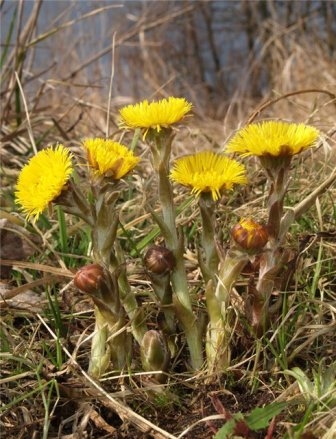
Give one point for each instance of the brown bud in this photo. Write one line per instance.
(249, 234)
(90, 279)
(159, 260)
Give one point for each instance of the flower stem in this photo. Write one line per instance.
(273, 258)
(161, 147)
(128, 299)
(110, 343)
(218, 300)
(207, 210)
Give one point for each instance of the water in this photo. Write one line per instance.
(200, 48)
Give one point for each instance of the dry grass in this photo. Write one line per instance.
(46, 324)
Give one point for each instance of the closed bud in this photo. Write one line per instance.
(155, 354)
(249, 234)
(159, 260)
(90, 279)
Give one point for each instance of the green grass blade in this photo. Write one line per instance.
(8, 38)
(260, 417)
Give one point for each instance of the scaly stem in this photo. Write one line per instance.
(74, 202)
(207, 210)
(179, 278)
(108, 344)
(273, 257)
(161, 147)
(163, 291)
(218, 300)
(217, 338)
(230, 268)
(128, 299)
(118, 297)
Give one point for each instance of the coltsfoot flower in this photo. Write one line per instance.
(208, 171)
(155, 115)
(42, 180)
(159, 260)
(108, 158)
(91, 279)
(249, 234)
(273, 138)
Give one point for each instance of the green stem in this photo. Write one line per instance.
(277, 169)
(207, 209)
(119, 296)
(74, 202)
(229, 269)
(135, 139)
(273, 257)
(217, 336)
(183, 303)
(100, 356)
(128, 299)
(167, 205)
(163, 291)
(110, 343)
(218, 300)
(161, 147)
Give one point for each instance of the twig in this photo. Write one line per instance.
(123, 411)
(10, 294)
(294, 213)
(29, 127)
(110, 87)
(287, 95)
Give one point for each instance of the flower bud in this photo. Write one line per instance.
(90, 279)
(159, 260)
(249, 234)
(102, 287)
(154, 353)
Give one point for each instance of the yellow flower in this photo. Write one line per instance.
(249, 234)
(155, 115)
(42, 180)
(273, 138)
(109, 158)
(208, 172)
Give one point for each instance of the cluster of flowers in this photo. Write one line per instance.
(46, 175)
(47, 179)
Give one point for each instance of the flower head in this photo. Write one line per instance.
(42, 180)
(109, 158)
(91, 279)
(159, 260)
(208, 172)
(155, 115)
(273, 138)
(249, 234)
